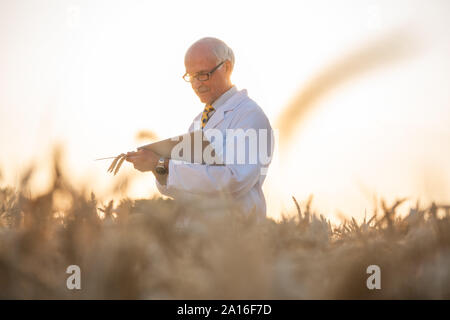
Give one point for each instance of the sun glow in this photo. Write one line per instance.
(91, 75)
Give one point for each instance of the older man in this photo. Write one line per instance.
(209, 63)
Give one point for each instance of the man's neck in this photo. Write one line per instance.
(221, 94)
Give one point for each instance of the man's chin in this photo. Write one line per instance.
(204, 98)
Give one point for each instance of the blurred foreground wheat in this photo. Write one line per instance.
(155, 248)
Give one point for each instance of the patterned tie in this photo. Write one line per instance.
(206, 114)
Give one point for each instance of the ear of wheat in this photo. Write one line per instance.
(117, 163)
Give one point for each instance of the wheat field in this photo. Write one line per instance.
(80, 71)
(161, 249)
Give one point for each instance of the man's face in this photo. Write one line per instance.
(200, 59)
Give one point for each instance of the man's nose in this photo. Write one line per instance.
(196, 84)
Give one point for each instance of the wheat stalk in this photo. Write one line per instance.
(120, 164)
(117, 163)
(113, 164)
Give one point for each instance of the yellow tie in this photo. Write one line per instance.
(206, 114)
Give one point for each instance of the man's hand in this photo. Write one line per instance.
(143, 160)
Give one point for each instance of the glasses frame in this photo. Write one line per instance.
(186, 75)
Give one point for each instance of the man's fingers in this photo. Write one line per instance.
(130, 156)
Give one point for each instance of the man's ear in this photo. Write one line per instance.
(228, 69)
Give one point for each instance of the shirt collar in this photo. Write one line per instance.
(224, 97)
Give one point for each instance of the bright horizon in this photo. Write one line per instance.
(91, 74)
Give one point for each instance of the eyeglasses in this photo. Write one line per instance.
(201, 76)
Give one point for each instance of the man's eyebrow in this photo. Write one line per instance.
(201, 71)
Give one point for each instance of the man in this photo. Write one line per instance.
(209, 63)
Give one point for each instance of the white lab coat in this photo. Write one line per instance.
(239, 184)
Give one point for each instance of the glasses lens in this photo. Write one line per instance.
(200, 77)
(203, 77)
(187, 78)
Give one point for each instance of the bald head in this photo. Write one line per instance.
(202, 57)
(213, 48)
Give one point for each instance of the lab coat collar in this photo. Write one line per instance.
(224, 97)
(229, 105)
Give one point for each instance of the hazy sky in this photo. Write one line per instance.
(92, 73)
